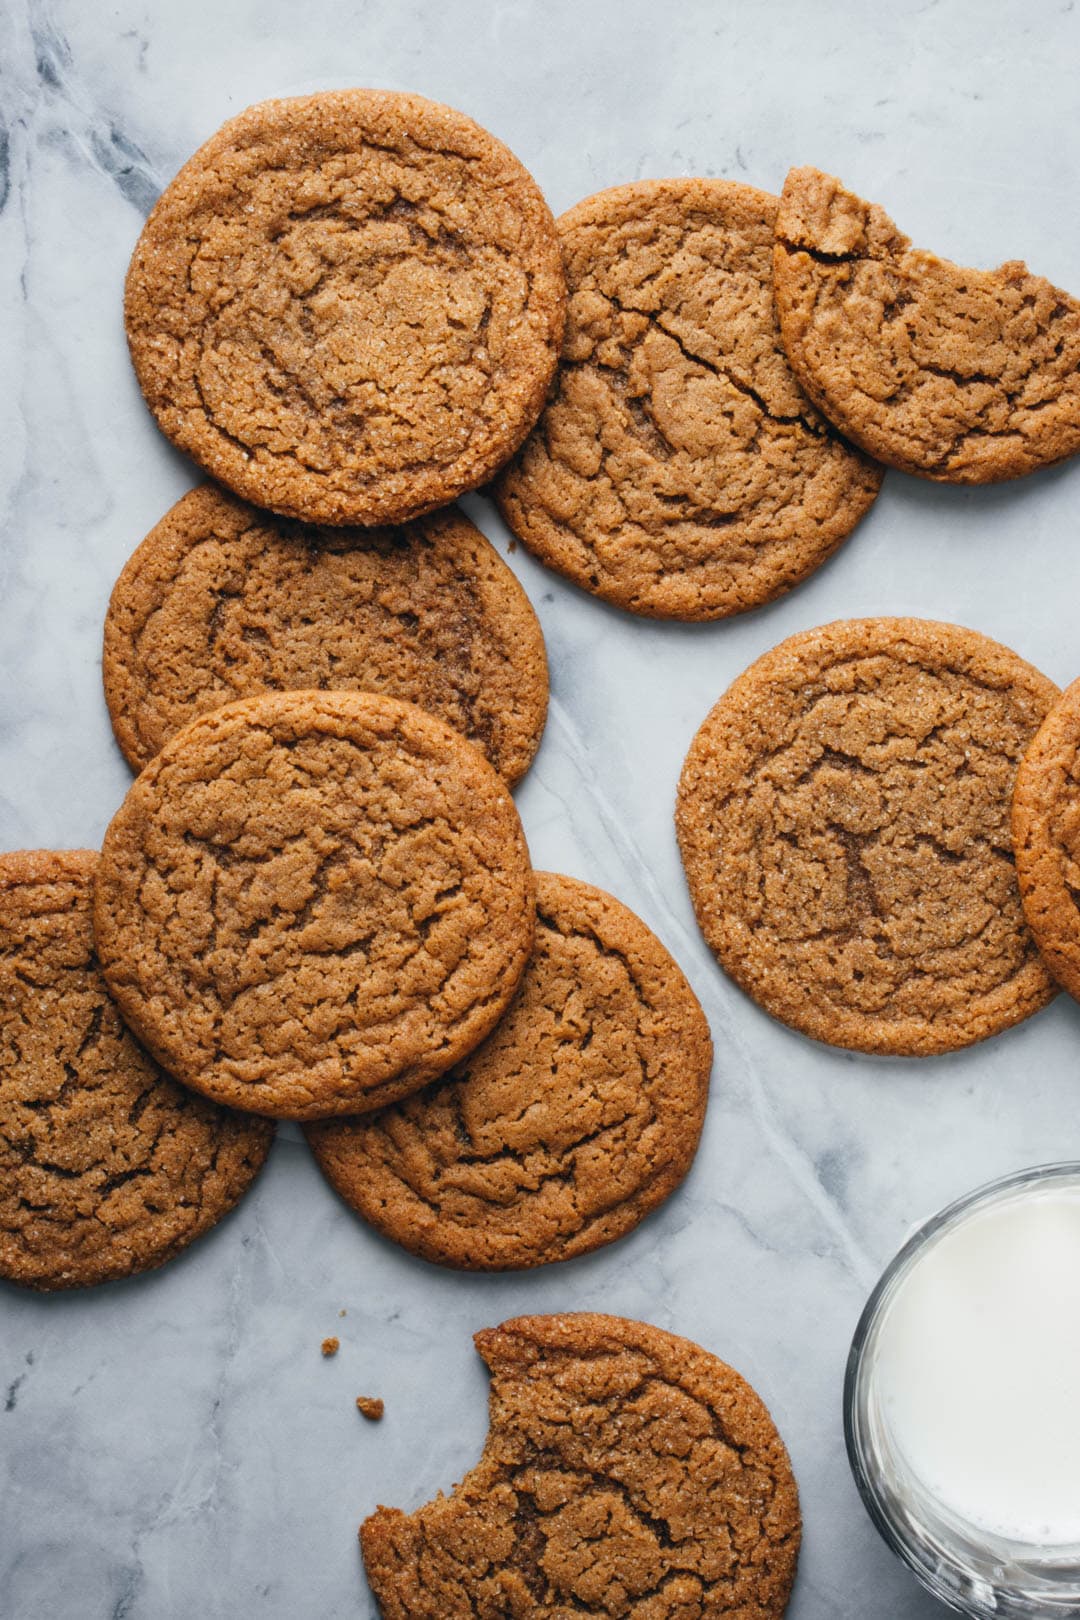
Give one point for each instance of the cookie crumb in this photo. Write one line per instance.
(343, 1313)
(370, 1406)
(330, 1347)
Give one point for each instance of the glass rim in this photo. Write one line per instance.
(950, 1215)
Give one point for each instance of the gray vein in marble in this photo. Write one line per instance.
(93, 130)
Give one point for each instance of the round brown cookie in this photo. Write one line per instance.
(1046, 838)
(579, 1114)
(965, 376)
(311, 903)
(626, 1473)
(221, 601)
(107, 1166)
(348, 306)
(678, 470)
(843, 818)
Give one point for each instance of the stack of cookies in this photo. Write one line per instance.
(316, 902)
(312, 905)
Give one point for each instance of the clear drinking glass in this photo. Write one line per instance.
(969, 1568)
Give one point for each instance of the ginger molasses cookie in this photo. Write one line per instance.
(311, 903)
(222, 601)
(843, 818)
(347, 307)
(578, 1115)
(965, 376)
(626, 1472)
(107, 1166)
(1046, 838)
(678, 470)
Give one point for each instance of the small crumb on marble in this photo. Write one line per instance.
(371, 1407)
(330, 1347)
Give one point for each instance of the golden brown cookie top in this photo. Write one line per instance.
(965, 376)
(579, 1114)
(221, 601)
(678, 470)
(347, 306)
(311, 903)
(843, 818)
(626, 1472)
(107, 1166)
(1046, 836)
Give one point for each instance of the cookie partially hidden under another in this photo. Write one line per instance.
(347, 306)
(578, 1115)
(626, 1473)
(843, 817)
(678, 469)
(965, 376)
(312, 903)
(107, 1166)
(1046, 838)
(221, 601)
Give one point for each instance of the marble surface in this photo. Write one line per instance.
(175, 1445)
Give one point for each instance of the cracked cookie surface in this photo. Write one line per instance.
(221, 601)
(347, 307)
(843, 818)
(311, 903)
(627, 1474)
(580, 1113)
(107, 1166)
(1046, 837)
(960, 375)
(678, 470)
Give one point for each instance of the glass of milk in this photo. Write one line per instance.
(962, 1399)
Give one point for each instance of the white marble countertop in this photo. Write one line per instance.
(176, 1446)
